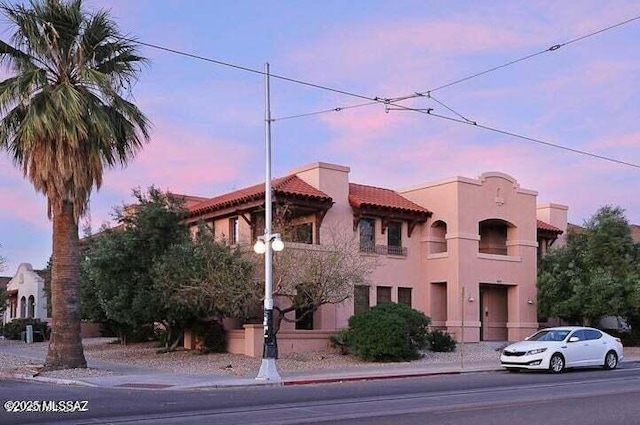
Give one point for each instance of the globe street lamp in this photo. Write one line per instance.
(265, 244)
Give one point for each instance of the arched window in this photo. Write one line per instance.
(493, 237)
(438, 237)
(23, 307)
(31, 306)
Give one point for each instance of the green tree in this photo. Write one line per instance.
(595, 274)
(64, 119)
(202, 279)
(118, 262)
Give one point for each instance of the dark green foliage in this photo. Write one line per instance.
(596, 274)
(388, 332)
(340, 340)
(441, 341)
(117, 287)
(151, 270)
(212, 336)
(13, 329)
(417, 321)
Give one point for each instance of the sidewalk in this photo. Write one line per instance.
(128, 377)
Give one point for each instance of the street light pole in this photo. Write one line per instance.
(268, 370)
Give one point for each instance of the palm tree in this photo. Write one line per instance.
(63, 120)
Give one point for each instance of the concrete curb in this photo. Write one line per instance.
(59, 381)
(328, 380)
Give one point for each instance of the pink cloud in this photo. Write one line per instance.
(179, 160)
(19, 203)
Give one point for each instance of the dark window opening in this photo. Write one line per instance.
(302, 233)
(394, 238)
(360, 299)
(23, 307)
(404, 296)
(31, 306)
(304, 318)
(493, 237)
(367, 228)
(383, 294)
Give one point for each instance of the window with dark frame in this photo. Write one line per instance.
(304, 318)
(404, 296)
(31, 306)
(367, 227)
(383, 294)
(394, 238)
(23, 307)
(360, 299)
(302, 233)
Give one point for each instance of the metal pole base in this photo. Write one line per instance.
(268, 371)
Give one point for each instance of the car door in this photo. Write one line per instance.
(595, 347)
(575, 352)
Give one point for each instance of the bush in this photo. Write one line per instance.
(387, 332)
(14, 328)
(417, 322)
(212, 337)
(340, 340)
(441, 341)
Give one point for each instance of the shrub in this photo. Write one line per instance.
(212, 337)
(417, 321)
(441, 341)
(14, 328)
(340, 340)
(387, 332)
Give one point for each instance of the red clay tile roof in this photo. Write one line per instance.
(288, 185)
(370, 196)
(541, 225)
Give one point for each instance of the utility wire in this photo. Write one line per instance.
(393, 101)
(338, 109)
(523, 137)
(495, 68)
(527, 57)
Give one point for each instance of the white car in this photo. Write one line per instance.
(555, 349)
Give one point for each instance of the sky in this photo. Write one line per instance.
(208, 127)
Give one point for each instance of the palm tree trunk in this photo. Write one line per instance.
(65, 344)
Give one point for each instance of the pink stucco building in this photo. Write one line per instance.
(462, 250)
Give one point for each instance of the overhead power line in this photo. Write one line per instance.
(387, 102)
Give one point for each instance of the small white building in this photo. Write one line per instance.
(26, 296)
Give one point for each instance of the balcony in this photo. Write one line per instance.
(399, 251)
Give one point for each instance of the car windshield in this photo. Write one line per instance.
(549, 335)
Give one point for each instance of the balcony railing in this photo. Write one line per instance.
(384, 250)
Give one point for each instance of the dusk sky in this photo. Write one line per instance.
(208, 119)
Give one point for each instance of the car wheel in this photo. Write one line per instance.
(610, 360)
(556, 364)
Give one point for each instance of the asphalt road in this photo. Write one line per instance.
(586, 397)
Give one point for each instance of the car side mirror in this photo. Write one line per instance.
(574, 339)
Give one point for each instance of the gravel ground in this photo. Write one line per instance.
(145, 355)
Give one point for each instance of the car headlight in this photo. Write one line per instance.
(536, 351)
